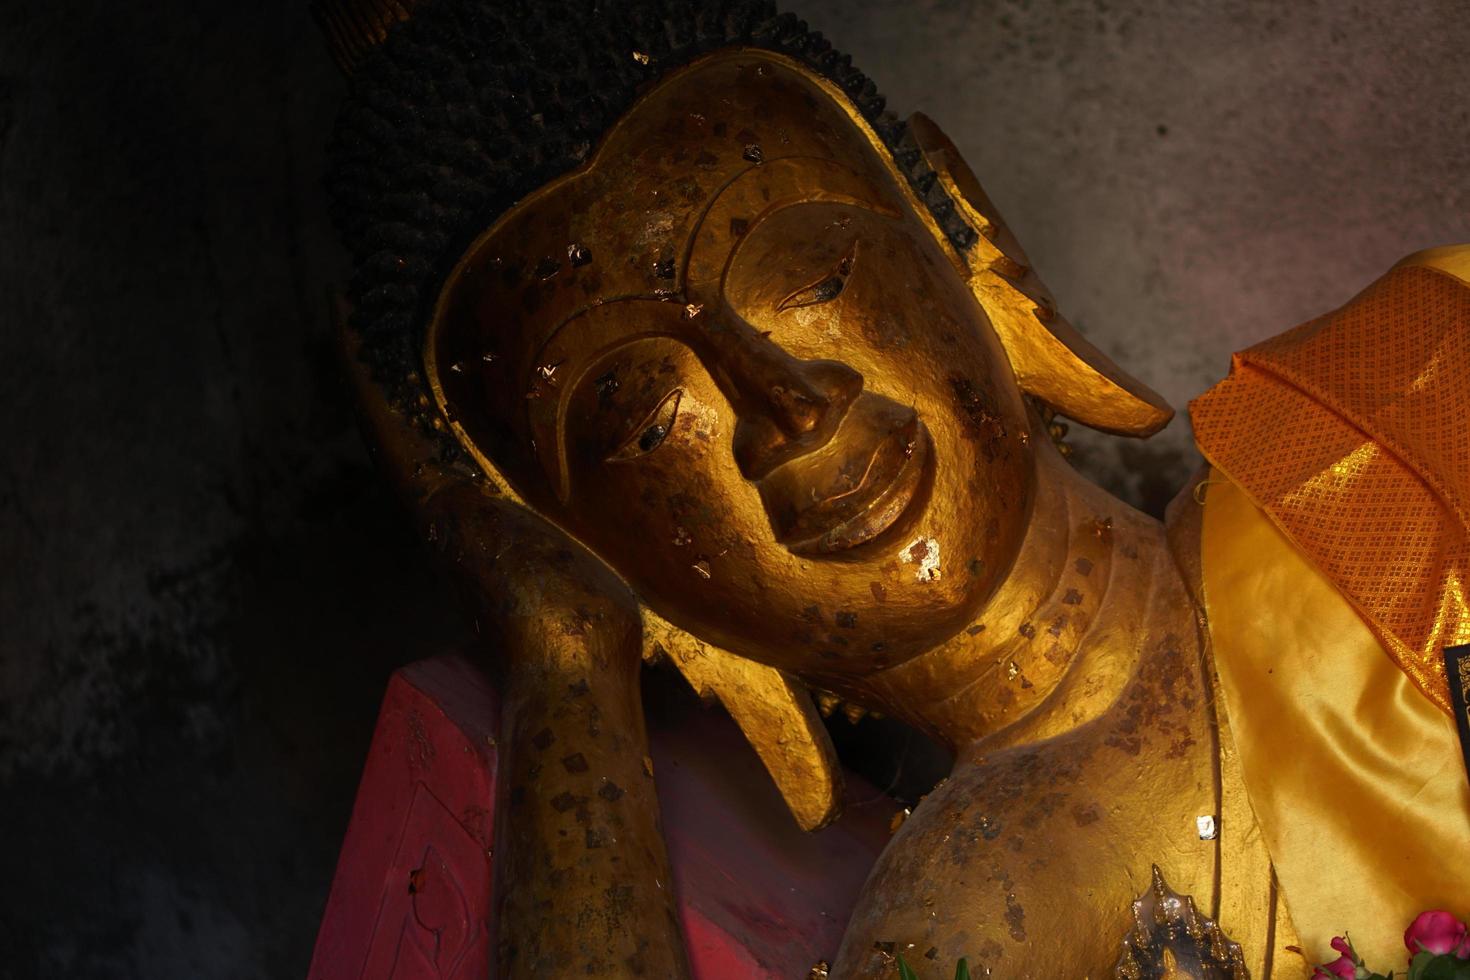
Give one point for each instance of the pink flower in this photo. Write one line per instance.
(1345, 967)
(1437, 932)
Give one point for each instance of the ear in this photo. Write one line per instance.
(774, 711)
(1051, 359)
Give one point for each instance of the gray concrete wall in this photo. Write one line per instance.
(1190, 177)
(203, 586)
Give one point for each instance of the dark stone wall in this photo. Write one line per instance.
(203, 585)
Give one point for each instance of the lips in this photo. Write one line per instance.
(861, 483)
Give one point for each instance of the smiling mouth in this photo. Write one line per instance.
(840, 498)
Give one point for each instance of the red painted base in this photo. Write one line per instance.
(412, 897)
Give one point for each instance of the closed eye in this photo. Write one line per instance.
(825, 289)
(651, 432)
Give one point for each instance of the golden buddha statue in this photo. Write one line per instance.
(680, 346)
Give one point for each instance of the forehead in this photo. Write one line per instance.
(622, 225)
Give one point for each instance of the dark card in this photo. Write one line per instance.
(1457, 669)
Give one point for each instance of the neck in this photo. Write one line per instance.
(1057, 641)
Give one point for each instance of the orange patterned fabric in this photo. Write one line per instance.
(1352, 431)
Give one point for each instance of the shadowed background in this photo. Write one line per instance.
(203, 585)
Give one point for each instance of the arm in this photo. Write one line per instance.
(582, 873)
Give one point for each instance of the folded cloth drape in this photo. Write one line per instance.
(1352, 433)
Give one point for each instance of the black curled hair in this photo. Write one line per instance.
(472, 104)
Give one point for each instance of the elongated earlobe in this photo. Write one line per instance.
(1051, 359)
(775, 712)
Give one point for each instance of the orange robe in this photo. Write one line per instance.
(1335, 557)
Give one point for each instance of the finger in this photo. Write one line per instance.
(410, 456)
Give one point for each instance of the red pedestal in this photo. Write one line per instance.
(412, 896)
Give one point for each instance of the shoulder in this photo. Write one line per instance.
(1389, 364)
(1453, 259)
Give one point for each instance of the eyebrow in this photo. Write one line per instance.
(781, 187)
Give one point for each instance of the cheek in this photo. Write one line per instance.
(981, 425)
(960, 382)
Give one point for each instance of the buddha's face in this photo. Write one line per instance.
(731, 357)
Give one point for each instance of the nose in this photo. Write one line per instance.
(786, 406)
